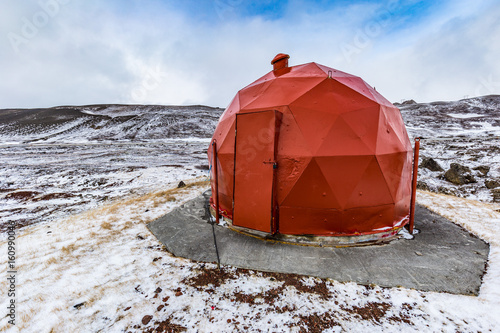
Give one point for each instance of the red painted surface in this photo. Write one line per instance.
(216, 182)
(254, 165)
(342, 152)
(414, 184)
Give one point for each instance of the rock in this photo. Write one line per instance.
(79, 305)
(448, 191)
(202, 167)
(181, 184)
(483, 169)
(21, 195)
(98, 182)
(492, 183)
(421, 185)
(496, 194)
(409, 102)
(459, 175)
(146, 319)
(431, 164)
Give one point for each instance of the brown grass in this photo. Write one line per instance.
(24, 319)
(51, 261)
(127, 225)
(106, 225)
(158, 198)
(204, 182)
(68, 249)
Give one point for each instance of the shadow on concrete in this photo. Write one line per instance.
(443, 257)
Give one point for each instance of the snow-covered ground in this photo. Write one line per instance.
(65, 160)
(52, 180)
(102, 270)
(83, 182)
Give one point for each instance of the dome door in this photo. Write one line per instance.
(254, 170)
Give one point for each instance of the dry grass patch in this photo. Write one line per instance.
(25, 319)
(204, 182)
(51, 261)
(106, 225)
(127, 225)
(68, 249)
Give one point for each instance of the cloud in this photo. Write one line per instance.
(449, 58)
(159, 52)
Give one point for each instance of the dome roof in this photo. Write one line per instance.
(310, 150)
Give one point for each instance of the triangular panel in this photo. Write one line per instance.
(311, 190)
(341, 140)
(314, 125)
(292, 140)
(372, 189)
(251, 93)
(365, 124)
(282, 91)
(290, 169)
(332, 96)
(343, 173)
(388, 142)
(226, 144)
(357, 84)
(392, 166)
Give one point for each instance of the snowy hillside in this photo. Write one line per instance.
(79, 124)
(465, 132)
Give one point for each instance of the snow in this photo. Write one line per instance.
(102, 171)
(106, 259)
(481, 219)
(406, 234)
(465, 115)
(205, 140)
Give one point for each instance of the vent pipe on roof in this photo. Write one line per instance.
(280, 61)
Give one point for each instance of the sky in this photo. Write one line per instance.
(79, 52)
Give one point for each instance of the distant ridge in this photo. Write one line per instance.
(107, 122)
(112, 122)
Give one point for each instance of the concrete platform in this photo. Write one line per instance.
(443, 257)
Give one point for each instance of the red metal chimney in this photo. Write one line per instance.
(280, 61)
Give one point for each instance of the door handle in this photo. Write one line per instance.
(275, 165)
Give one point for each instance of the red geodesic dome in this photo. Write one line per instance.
(310, 150)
